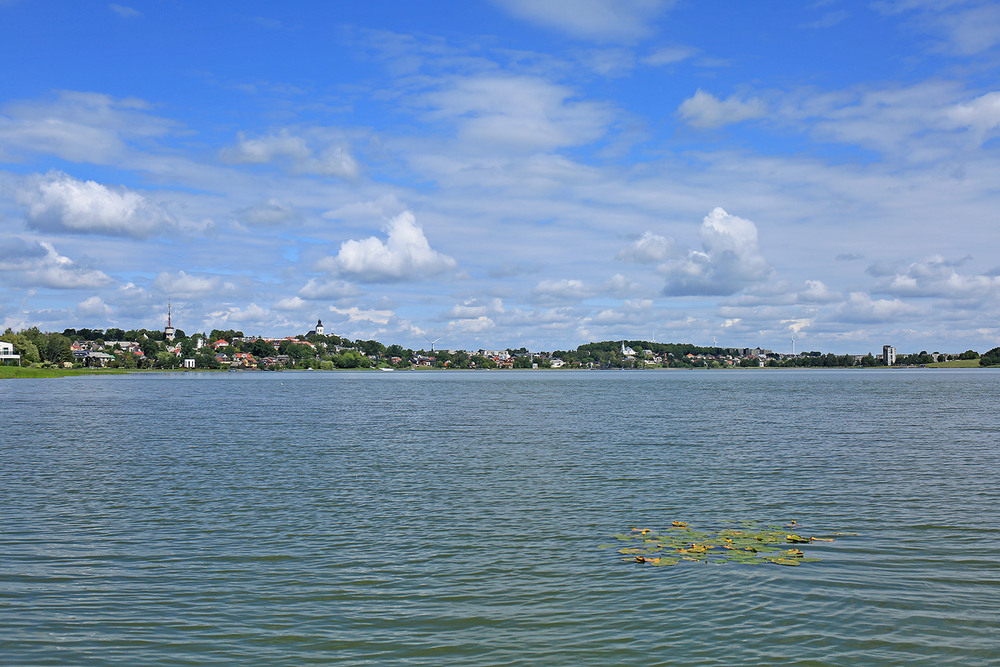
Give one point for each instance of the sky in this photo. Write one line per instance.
(506, 173)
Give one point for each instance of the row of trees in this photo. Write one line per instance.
(331, 351)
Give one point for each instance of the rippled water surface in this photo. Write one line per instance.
(455, 518)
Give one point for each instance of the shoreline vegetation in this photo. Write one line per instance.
(31, 353)
(35, 372)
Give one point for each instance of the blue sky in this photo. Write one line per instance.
(506, 172)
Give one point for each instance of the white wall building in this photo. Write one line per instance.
(888, 355)
(7, 353)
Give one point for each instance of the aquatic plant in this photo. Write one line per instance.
(747, 544)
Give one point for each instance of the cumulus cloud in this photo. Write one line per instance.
(600, 20)
(60, 203)
(94, 307)
(474, 308)
(38, 264)
(730, 262)
(815, 291)
(938, 277)
(472, 326)
(648, 249)
(704, 110)
(293, 303)
(404, 255)
(523, 112)
(294, 152)
(860, 307)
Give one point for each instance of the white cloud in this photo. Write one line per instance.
(472, 326)
(94, 307)
(563, 289)
(355, 314)
(648, 249)
(619, 285)
(186, 285)
(600, 20)
(79, 126)
(60, 203)
(473, 308)
(319, 289)
(267, 149)
(293, 303)
(730, 262)
(38, 264)
(123, 11)
(668, 55)
(271, 212)
(293, 151)
(383, 207)
(815, 291)
(405, 255)
(505, 112)
(705, 110)
(981, 114)
(860, 307)
(937, 277)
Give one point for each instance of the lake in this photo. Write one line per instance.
(463, 518)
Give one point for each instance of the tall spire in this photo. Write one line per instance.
(168, 332)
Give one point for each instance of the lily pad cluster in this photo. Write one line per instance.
(747, 544)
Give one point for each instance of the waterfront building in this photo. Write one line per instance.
(7, 353)
(888, 355)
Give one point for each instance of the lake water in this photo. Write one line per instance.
(435, 518)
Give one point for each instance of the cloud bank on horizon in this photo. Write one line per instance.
(508, 172)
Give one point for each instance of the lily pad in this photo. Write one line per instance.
(747, 544)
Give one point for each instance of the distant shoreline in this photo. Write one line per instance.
(21, 373)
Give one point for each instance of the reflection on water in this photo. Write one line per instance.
(432, 518)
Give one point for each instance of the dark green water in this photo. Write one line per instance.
(454, 518)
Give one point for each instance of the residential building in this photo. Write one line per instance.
(7, 354)
(888, 355)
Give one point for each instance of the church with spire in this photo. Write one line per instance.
(318, 331)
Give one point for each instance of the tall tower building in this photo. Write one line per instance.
(168, 331)
(888, 355)
(319, 327)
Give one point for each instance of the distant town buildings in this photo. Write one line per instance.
(888, 355)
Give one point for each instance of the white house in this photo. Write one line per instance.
(7, 353)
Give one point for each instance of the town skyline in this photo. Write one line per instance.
(506, 173)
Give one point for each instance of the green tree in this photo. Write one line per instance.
(259, 348)
(991, 358)
(23, 346)
(57, 349)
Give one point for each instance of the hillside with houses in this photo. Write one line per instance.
(234, 350)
